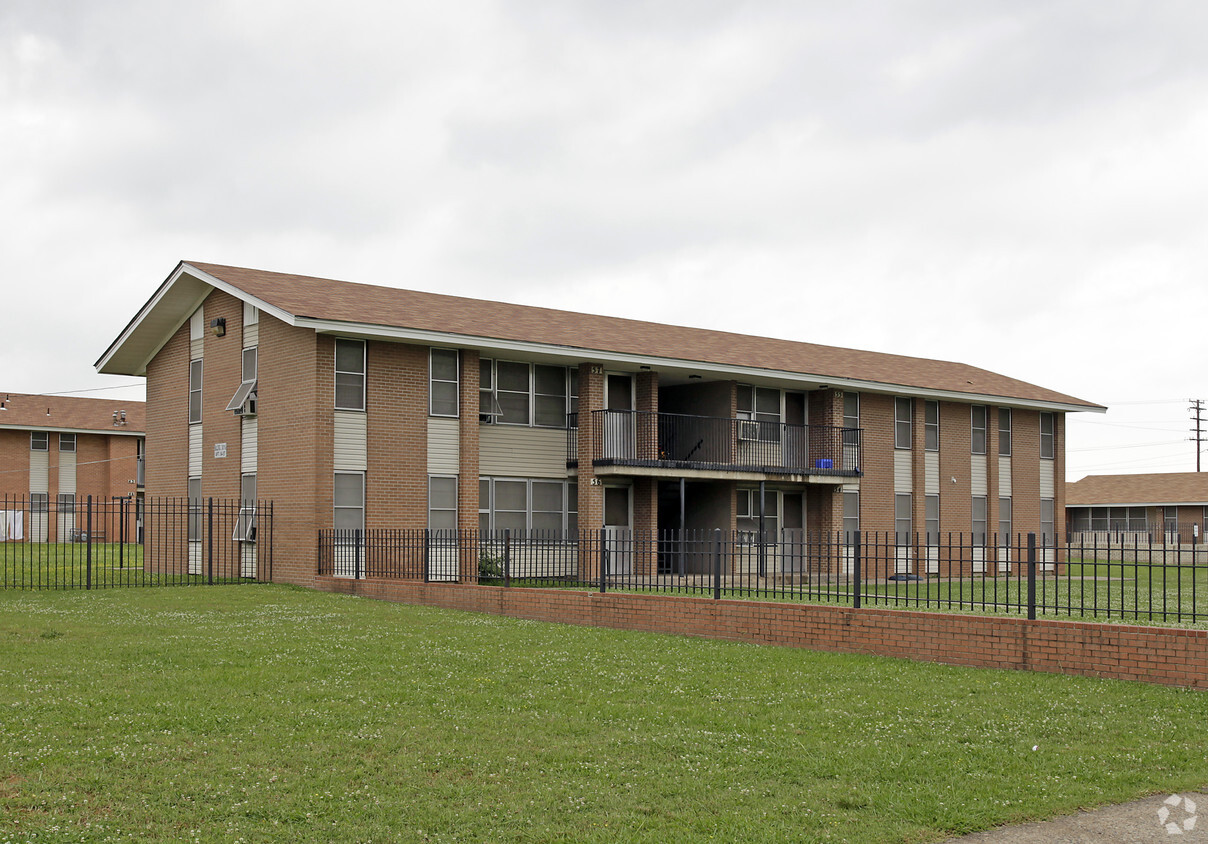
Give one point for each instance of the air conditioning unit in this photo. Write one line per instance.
(748, 430)
(248, 408)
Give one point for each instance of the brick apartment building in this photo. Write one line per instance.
(55, 451)
(357, 406)
(1165, 505)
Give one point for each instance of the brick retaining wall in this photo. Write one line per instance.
(1167, 656)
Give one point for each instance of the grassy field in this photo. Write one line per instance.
(277, 714)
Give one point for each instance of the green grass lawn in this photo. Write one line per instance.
(279, 714)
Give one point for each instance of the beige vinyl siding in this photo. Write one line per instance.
(251, 336)
(39, 471)
(351, 451)
(903, 472)
(1004, 477)
(194, 451)
(444, 451)
(512, 451)
(1047, 482)
(931, 473)
(250, 444)
(67, 473)
(977, 475)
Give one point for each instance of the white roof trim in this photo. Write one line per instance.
(115, 431)
(441, 338)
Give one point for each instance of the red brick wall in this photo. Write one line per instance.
(1165, 656)
(14, 464)
(396, 485)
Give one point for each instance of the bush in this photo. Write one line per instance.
(490, 566)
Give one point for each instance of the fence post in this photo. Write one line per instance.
(717, 564)
(855, 572)
(210, 540)
(88, 550)
(356, 554)
(603, 558)
(1031, 577)
(427, 555)
(507, 557)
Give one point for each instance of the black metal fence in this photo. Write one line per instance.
(1020, 574)
(97, 544)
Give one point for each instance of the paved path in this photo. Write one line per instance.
(1127, 823)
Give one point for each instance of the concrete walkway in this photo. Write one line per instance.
(1128, 823)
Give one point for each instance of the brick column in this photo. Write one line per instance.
(468, 428)
(591, 497)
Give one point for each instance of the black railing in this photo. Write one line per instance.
(1021, 574)
(677, 441)
(128, 541)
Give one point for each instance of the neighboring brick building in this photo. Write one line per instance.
(361, 406)
(55, 451)
(1170, 504)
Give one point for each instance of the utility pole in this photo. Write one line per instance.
(1197, 430)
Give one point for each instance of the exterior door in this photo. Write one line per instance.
(619, 422)
(618, 533)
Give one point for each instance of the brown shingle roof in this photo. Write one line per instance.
(22, 410)
(306, 296)
(1163, 488)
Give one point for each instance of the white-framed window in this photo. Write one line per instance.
(1048, 522)
(39, 502)
(851, 429)
(39, 441)
(903, 522)
(195, 391)
(194, 489)
(851, 516)
(350, 374)
(348, 501)
(444, 383)
(1170, 518)
(748, 510)
(931, 425)
(67, 442)
(977, 415)
(763, 405)
(247, 384)
(66, 502)
(903, 409)
(1004, 521)
(980, 519)
(245, 524)
(931, 516)
(251, 356)
(549, 507)
(1004, 431)
(1048, 436)
(516, 393)
(442, 502)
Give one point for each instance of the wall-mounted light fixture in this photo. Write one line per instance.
(694, 377)
(824, 386)
(218, 326)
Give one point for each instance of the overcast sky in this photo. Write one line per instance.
(1017, 185)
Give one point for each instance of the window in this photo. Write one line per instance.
(902, 521)
(67, 442)
(851, 430)
(549, 396)
(39, 441)
(66, 503)
(1004, 431)
(1048, 522)
(1004, 521)
(194, 391)
(979, 428)
(1170, 518)
(442, 394)
(250, 358)
(1048, 436)
(902, 409)
(245, 525)
(349, 501)
(513, 393)
(851, 516)
(350, 374)
(761, 405)
(195, 509)
(931, 426)
(244, 400)
(442, 503)
(39, 502)
(979, 519)
(518, 505)
(748, 516)
(931, 514)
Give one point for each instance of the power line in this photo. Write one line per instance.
(1197, 411)
(73, 392)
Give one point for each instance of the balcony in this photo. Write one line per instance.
(671, 444)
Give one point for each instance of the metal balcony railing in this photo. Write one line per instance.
(679, 441)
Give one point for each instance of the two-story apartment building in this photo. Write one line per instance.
(357, 406)
(55, 452)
